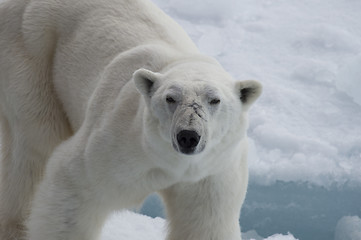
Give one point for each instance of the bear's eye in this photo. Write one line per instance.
(215, 101)
(170, 100)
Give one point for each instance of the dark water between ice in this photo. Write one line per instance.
(308, 212)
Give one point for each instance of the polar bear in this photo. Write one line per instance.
(105, 102)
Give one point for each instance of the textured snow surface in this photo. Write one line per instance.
(131, 226)
(348, 228)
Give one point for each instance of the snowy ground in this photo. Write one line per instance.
(131, 226)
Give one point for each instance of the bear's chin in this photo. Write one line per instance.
(189, 151)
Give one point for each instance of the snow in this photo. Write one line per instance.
(132, 226)
(252, 235)
(349, 78)
(281, 237)
(348, 228)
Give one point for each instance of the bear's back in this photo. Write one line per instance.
(81, 37)
(109, 25)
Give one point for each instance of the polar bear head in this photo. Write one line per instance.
(193, 106)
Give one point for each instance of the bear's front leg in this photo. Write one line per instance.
(67, 206)
(208, 209)
(60, 212)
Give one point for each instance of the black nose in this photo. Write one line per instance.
(187, 141)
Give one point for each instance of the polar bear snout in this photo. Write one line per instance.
(188, 141)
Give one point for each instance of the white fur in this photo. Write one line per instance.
(87, 128)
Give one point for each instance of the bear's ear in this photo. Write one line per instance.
(248, 91)
(144, 81)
